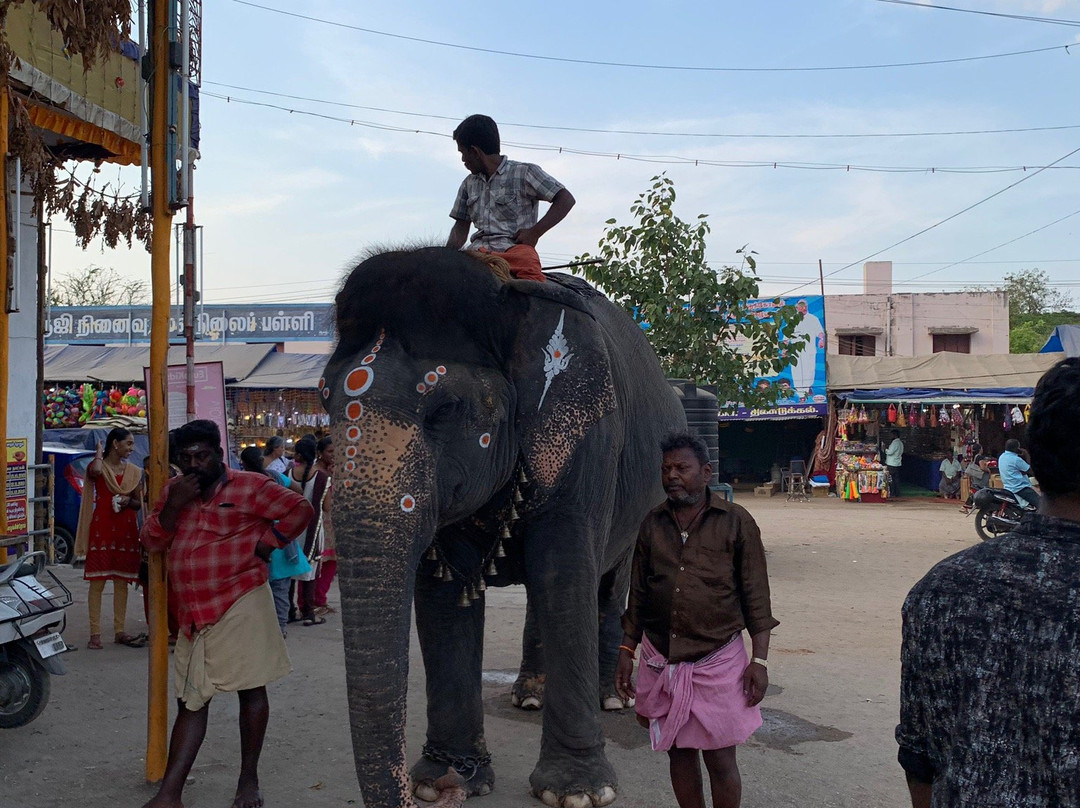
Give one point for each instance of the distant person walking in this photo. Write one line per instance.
(108, 533)
(328, 562)
(219, 527)
(316, 486)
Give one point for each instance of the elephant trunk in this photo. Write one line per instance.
(376, 603)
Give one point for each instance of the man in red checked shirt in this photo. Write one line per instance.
(219, 527)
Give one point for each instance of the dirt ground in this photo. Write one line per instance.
(839, 574)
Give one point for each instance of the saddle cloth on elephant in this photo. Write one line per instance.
(696, 705)
(520, 262)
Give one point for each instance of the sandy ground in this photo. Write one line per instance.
(839, 574)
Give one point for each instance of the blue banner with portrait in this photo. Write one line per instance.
(801, 384)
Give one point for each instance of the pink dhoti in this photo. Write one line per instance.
(696, 705)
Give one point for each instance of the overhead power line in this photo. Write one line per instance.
(937, 224)
(646, 132)
(655, 158)
(1024, 17)
(641, 66)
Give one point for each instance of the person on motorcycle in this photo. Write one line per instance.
(1013, 468)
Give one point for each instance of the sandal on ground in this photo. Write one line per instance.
(95, 642)
(132, 640)
(314, 621)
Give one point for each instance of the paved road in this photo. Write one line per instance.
(839, 574)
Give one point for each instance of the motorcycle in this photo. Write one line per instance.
(997, 511)
(32, 617)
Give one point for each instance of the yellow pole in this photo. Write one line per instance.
(158, 705)
(4, 335)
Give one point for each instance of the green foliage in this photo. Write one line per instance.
(97, 286)
(1029, 332)
(656, 270)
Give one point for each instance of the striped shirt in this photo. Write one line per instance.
(212, 560)
(504, 203)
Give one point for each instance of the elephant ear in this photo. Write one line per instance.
(561, 370)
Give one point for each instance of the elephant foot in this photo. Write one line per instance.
(447, 791)
(429, 784)
(570, 781)
(528, 691)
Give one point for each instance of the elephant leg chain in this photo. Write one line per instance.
(465, 765)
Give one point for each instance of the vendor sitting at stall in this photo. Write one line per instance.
(949, 487)
(978, 471)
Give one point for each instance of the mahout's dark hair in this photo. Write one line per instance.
(1052, 429)
(480, 131)
(198, 431)
(117, 433)
(686, 440)
(252, 460)
(1012, 445)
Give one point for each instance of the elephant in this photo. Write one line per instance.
(488, 433)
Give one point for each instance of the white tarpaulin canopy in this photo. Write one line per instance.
(124, 365)
(286, 371)
(995, 377)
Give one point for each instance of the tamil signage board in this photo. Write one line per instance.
(209, 382)
(801, 385)
(130, 325)
(16, 496)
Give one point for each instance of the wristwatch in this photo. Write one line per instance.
(762, 662)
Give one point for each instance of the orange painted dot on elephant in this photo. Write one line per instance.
(350, 466)
(441, 370)
(421, 388)
(354, 410)
(350, 451)
(431, 378)
(367, 360)
(358, 380)
(353, 433)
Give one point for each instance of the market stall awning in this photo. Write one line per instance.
(124, 365)
(938, 378)
(286, 371)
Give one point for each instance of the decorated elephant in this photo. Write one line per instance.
(488, 433)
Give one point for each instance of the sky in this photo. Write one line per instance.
(288, 200)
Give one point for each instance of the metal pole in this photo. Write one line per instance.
(189, 304)
(158, 707)
(144, 124)
(4, 324)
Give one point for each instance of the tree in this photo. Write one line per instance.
(97, 286)
(656, 270)
(1030, 293)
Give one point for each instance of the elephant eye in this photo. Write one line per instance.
(448, 410)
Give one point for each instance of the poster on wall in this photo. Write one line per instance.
(15, 497)
(209, 380)
(801, 384)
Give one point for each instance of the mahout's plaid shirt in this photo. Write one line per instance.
(212, 560)
(500, 205)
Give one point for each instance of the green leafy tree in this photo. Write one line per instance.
(97, 286)
(1029, 332)
(1030, 292)
(656, 270)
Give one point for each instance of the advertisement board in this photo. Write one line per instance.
(209, 380)
(801, 384)
(15, 497)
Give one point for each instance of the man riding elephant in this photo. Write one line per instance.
(490, 433)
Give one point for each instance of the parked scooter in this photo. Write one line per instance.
(997, 511)
(32, 618)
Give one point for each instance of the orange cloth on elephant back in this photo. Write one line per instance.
(523, 260)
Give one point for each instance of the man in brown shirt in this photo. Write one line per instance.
(699, 578)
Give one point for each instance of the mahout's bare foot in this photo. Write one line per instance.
(247, 794)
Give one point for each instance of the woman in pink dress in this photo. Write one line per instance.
(109, 531)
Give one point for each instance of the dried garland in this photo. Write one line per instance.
(91, 29)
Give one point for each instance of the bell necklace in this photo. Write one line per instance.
(684, 534)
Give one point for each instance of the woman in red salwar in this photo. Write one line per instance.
(109, 532)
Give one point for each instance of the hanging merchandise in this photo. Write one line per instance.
(913, 416)
(1017, 415)
(957, 417)
(944, 419)
(1007, 423)
(892, 414)
(933, 417)
(1027, 412)
(864, 417)
(901, 420)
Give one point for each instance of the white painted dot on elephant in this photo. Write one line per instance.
(485, 440)
(408, 503)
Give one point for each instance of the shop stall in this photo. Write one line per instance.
(942, 406)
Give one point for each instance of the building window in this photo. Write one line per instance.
(952, 343)
(857, 345)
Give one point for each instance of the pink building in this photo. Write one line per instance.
(881, 322)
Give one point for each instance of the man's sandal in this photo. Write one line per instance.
(95, 642)
(314, 621)
(132, 640)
